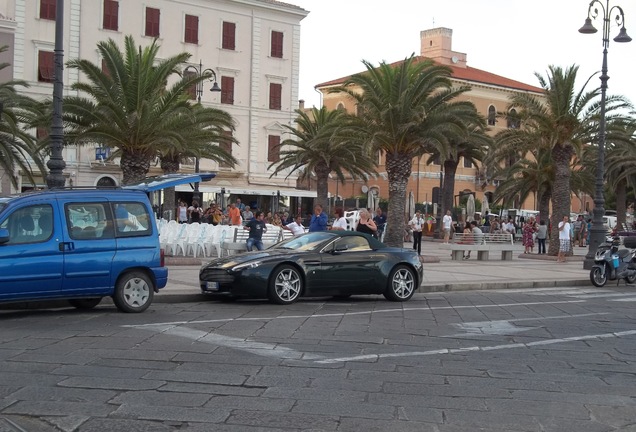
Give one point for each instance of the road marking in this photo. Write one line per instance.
(258, 348)
(502, 327)
(478, 348)
(601, 295)
(548, 291)
(343, 314)
(628, 299)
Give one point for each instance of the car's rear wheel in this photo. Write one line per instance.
(401, 284)
(134, 292)
(85, 304)
(285, 285)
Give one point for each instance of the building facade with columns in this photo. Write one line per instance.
(253, 47)
(491, 95)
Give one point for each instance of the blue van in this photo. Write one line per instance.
(83, 244)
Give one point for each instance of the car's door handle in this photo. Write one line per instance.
(66, 246)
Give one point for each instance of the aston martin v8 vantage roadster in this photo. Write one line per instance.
(327, 263)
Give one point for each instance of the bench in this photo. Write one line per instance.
(483, 244)
(236, 240)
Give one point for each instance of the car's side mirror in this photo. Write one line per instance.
(4, 235)
(341, 248)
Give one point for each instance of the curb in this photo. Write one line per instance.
(426, 288)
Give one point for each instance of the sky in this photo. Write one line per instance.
(512, 38)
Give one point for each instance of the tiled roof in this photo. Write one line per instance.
(467, 73)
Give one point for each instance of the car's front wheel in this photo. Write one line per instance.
(85, 304)
(285, 285)
(401, 284)
(134, 292)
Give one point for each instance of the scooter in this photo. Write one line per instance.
(613, 263)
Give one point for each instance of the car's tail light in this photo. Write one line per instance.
(162, 260)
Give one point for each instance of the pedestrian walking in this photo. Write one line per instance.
(447, 221)
(564, 238)
(542, 234)
(416, 224)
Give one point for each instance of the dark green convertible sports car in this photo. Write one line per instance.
(327, 263)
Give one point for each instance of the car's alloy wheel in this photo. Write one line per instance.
(85, 304)
(134, 292)
(286, 285)
(401, 286)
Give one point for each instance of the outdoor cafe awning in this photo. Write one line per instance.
(250, 190)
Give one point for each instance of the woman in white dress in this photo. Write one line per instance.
(340, 224)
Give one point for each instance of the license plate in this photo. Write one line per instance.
(211, 286)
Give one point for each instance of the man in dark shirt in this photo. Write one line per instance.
(256, 227)
(380, 221)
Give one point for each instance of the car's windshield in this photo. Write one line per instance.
(2, 206)
(306, 242)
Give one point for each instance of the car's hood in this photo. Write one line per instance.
(234, 260)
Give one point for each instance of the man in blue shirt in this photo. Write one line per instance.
(318, 220)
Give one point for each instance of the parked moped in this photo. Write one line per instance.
(613, 263)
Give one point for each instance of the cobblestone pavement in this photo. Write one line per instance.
(546, 359)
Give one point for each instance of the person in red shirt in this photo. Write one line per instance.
(235, 215)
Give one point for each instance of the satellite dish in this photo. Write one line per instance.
(365, 189)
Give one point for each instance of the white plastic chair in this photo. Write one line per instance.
(195, 240)
(352, 218)
(177, 240)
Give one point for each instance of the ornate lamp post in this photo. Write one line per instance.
(208, 73)
(597, 232)
(56, 163)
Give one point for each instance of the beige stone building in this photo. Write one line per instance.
(489, 92)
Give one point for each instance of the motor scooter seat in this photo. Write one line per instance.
(624, 253)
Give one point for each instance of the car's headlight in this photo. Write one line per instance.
(247, 265)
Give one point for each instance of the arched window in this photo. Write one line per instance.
(340, 107)
(492, 115)
(513, 119)
(107, 182)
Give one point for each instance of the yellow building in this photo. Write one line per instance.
(489, 92)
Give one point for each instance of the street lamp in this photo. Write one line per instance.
(56, 163)
(597, 232)
(200, 72)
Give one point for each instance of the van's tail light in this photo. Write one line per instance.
(163, 258)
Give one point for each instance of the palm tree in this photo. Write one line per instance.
(323, 143)
(564, 120)
(620, 167)
(472, 147)
(408, 110)
(130, 107)
(18, 149)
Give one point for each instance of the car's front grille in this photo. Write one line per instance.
(218, 275)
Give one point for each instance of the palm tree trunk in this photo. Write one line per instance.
(448, 192)
(398, 168)
(322, 186)
(561, 192)
(621, 202)
(169, 166)
(544, 207)
(134, 167)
